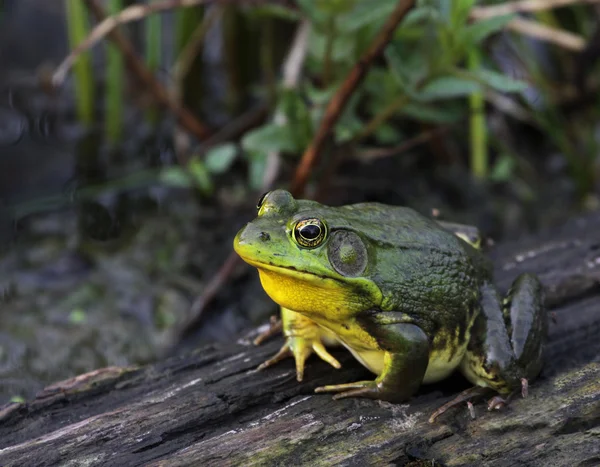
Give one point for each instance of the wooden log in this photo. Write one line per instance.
(211, 407)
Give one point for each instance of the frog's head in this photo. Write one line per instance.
(309, 258)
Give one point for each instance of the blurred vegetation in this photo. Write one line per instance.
(84, 85)
(443, 69)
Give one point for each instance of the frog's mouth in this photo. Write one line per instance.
(295, 273)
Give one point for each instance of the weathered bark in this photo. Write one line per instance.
(212, 408)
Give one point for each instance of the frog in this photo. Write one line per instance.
(412, 298)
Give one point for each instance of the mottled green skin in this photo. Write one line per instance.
(424, 291)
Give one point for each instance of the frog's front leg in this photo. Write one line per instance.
(405, 359)
(507, 341)
(303, 337)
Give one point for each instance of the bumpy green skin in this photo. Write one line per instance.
(417, 289)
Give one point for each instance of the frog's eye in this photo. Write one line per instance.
(261, 200)
(310, 233)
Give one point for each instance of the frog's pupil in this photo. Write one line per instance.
(311, 231)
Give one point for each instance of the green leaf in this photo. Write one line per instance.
(269, 137)
(256, 169)
(394, 60)
(77, 316)
(449, 87)
(479, 30)
(387, 134)
(498, 81)
(348, 128)
(365, 13)
(279, 11)
(319, 96)
(432, 114)
(409, 64)
(418, 16)
(220, 158)
(200, 174)
(503, 169)
(460, 13)
(334, 7)
(17, 399)
(175, 177)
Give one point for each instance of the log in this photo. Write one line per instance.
(211, 407)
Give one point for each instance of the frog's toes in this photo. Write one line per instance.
(464, 396)
(471, 410)
(275, 327)
(283, 353)
(321, 351)
(368, 389)
(524, 387)
(497, 403)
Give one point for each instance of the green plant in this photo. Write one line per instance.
(435, 62)
(114, 85)
(78, 28)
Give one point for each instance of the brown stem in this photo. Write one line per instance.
(338, 102)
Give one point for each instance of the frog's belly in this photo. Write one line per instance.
(439, 366)
(443, 360)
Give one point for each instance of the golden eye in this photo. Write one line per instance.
(310, 233)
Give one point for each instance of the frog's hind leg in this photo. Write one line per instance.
(507, 339)
(405, 359)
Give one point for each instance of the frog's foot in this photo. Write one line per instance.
(369, 389)
(465, 396)
(301, 348)
(275, 327)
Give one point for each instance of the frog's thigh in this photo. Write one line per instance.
(495, 358)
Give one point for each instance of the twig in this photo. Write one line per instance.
(211, 289)
(192, 48)
(338, 102)
(524, 6)
(532, 28)
(421, 138)
(139, 69)
(238, 126)
(564, 39)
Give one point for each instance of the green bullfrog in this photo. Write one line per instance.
(411, 298)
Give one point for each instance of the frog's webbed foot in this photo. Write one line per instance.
(466, 396)
(301, 348)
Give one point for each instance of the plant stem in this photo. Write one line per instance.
(78, 28)
(114, 85)
(153, 53)
(478, 133)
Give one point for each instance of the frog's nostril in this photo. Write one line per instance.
(264, 236)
